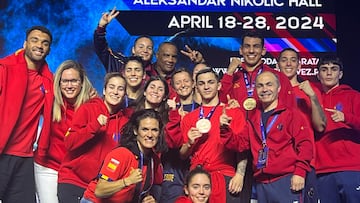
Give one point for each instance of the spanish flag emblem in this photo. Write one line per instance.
(67, 132)
(113, 164)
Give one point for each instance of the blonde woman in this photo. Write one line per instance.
(71, 89)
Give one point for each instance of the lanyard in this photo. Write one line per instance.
(126, 101)
(149, 180)
(250, 88)
(262, 127)
(209, 114)
(192, 106)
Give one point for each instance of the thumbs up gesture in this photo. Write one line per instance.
(172, 103)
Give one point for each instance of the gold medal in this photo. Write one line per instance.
(249, 104)
(203, 125)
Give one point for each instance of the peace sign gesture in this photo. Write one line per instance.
(107, 17)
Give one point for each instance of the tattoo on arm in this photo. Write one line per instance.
(241, 167)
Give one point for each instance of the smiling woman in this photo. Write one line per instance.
(197, 187)
(71, 89)
(94, 131)
(132, 172)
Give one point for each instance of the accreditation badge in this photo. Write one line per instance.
(203, 125)
(249, 104)
(263, 157)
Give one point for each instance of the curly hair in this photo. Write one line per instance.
(128, 137)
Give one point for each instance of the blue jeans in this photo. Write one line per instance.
(83, 200)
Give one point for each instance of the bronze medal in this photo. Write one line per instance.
(203, 125)
(249, 104)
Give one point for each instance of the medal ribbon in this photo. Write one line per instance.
(149, 176)
(250, 88)
(262, 127)
(201, 115)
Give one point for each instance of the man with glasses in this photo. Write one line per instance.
(239, 83)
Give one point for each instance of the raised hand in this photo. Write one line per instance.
(171, 103)
(232, 103)
(306, 88)
(235, 63)
(194, 56)
(107, 17)
(102, 119)
(224, 118)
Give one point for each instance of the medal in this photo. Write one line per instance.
(203, 125)
(249, 104)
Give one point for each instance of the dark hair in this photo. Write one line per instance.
(253, 34)
(143, 36)
(197, 170)
(207, 70)
(167, 43)
(128, 138)
(137, 59)
(289, 49)
(139, 102)
(180, 70)
(40, 28)
(330, 59)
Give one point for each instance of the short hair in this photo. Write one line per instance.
(277, 81)
(331, 59)
(290, 49)
(143, 36)
(110, 75)
(180, 70)
(253, 34)
(40, 28)
(135, 58)
(207, 70)
(167, 43)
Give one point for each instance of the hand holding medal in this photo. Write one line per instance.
(193, 134)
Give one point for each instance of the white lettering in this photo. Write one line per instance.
(309, 61)
(266, 3)
(307, 71)
(219, 70)
(181, 2)
(305, 3)
(269, 61)
(192, 21)
(174, 23)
